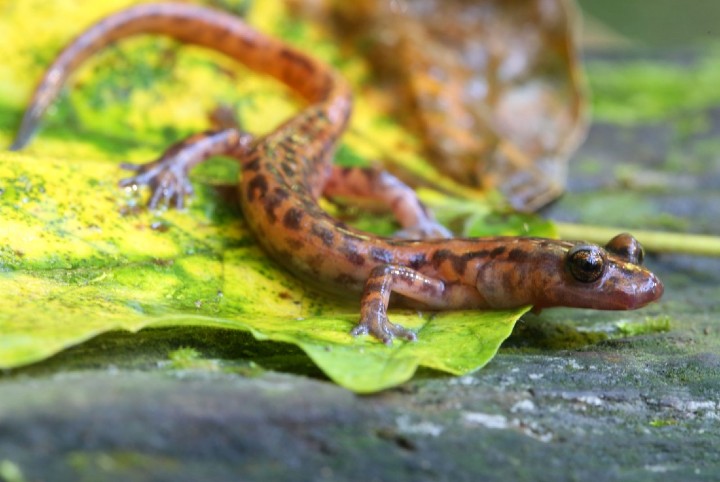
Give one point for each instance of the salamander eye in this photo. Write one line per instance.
(586, 263)
(625, 246)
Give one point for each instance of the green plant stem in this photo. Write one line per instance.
(653, 241)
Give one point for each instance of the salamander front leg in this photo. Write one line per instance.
(374, 184)
(382, 282)
(167, 176)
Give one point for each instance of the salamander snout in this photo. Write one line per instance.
(644, 290)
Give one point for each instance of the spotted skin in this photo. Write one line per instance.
(286, 171)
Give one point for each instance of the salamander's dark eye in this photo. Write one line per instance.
(586, 263)
(625, 246)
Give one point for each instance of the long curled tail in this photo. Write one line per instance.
(193, 24)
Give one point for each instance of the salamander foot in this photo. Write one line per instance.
(167, 178)
(383, 280)
(382, 329)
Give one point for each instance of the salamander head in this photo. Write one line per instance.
(610, 278)
(546, 273)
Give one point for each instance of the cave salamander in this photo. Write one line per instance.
(286, 171)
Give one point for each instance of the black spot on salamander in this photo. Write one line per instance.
(417, 261)
(281, 193)
(273, 201)
(299, 60)
(258, 183)
(459, 262)
(439, 256)
(292, 142)
(324, 234)
(517, 255)
(374, 285)
(381, 255)
(351, 254)
(292, 218)
(461, 266)
(252, 164)
(372, 308)
(497, 251)
(288, 169)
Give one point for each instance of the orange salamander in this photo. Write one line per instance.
(286, 171)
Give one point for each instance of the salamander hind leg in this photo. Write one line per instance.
(382, 282)
(167, 176)
(374, 184)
